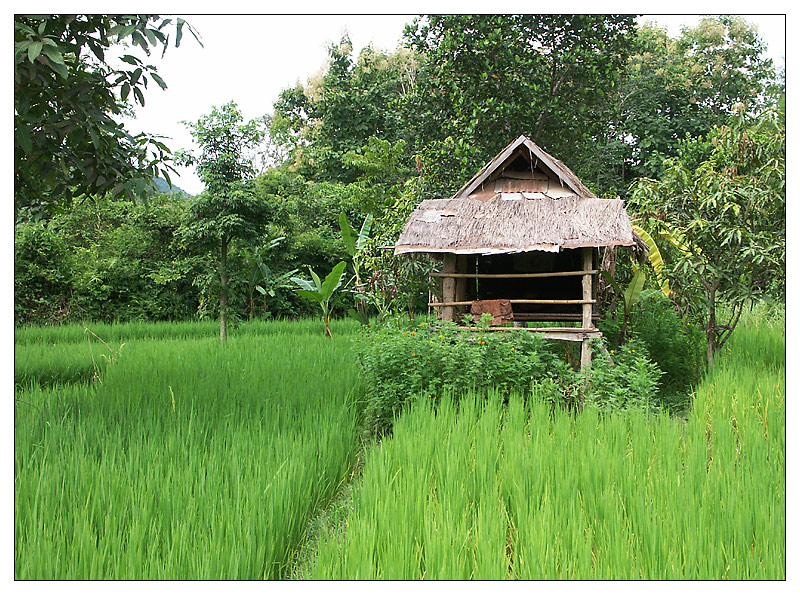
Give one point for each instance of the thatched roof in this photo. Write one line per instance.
(523, 200)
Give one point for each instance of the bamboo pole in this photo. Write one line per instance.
(586, 348)
(448, 287)
(454, 303)
(553, 329)
(514, 275)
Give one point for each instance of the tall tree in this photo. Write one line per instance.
(486, 79)
(340, 109)
(229, 208)
(67, 95)
(674, 88)
(727, 217)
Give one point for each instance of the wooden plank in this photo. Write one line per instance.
(554, 316)
(557, 334)
(515, 275)
(452, 303)
(549, 329)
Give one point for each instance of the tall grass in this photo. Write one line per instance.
(561, 496)
(127, 331)
(189, 461)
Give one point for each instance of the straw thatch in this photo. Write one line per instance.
(502, 225)
(521, 201)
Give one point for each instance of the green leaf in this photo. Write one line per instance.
(179, 32)
(348, 234)
(634, 289)
(304, 283)
(317, 282)
(53, 54)
(158, 80)
(34, 49)
(24, 139)
(310, 295)
(612, 282)
(655, 258)
(333, 280)
(363, 234)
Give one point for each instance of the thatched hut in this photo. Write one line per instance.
(524, 232)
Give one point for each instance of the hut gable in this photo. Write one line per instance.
(524, 166)
(523, 200)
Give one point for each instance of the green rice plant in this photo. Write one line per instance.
(560, 495)
(115, 333)
(189, 461)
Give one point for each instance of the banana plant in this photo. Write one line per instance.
(354, 242)
(322, 292)
(655, 258)
(631, 296)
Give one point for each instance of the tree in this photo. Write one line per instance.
(486, 79)
(228, 209)
(340, 109)
(67, 94)
(727, 218)
(674, 88)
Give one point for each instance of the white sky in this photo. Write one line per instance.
(251, 59)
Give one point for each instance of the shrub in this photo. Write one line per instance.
(625, 378)
(402, 360)
(42, 275)
(677, 347)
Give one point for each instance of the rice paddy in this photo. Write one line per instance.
(559, 496)
(185, 460)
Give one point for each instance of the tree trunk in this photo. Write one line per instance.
(711, 329)
(223, 291)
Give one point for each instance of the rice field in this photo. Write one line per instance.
(186, 460)
(559, 496)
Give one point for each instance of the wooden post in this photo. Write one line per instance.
(586, 350)
(461, 282)
(448, 286)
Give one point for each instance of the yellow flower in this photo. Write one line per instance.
(413, 355)
(380, 351)
(440, 336)
(431, 341)
(422, 324)
(413, 332)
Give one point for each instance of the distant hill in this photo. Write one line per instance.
(160, 185)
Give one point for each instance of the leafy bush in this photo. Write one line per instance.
(626, 378)
(402, 360)
(677, 347)
(42, 276)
